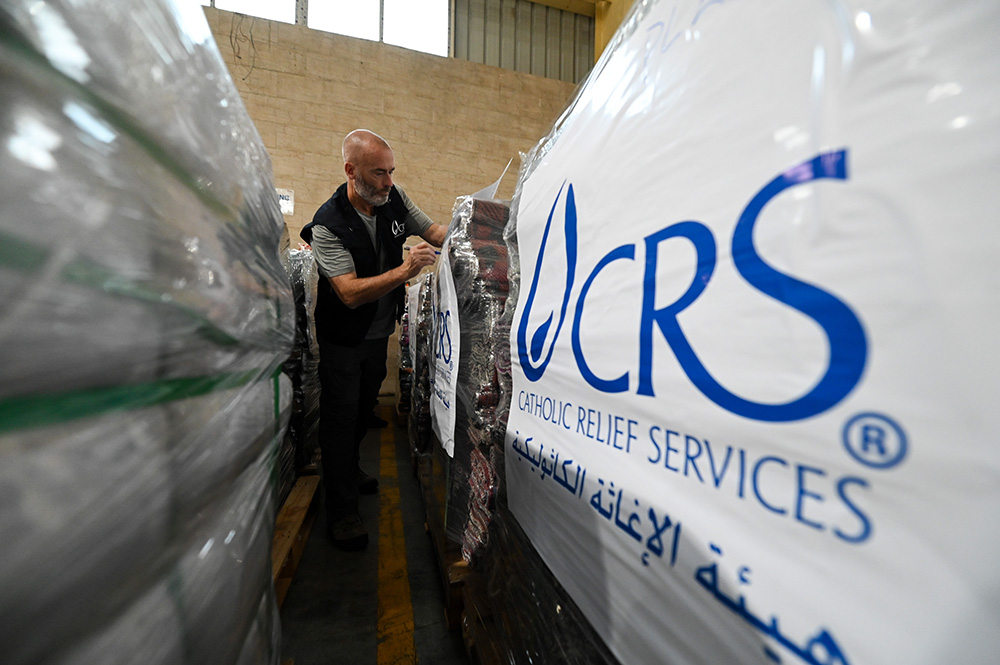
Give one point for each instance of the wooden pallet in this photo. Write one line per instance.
(291, 531)
(480, 631)
(447, 553)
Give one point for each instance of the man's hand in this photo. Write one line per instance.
(419, 257)
(354, 291)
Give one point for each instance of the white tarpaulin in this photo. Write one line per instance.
(753, 413)
(446, 345)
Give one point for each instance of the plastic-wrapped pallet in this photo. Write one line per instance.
(302, 367)
(515, 610)
(421, 316)
(144, 317)
(187, 617)
(753, 379)
(471, 287)
(404, 395)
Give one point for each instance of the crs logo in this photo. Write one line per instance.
(442, 346)
(844, 332)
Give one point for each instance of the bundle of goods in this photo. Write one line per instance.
(515, 610)
(302, 367)
(751, 408)
(468, 324)
(405, 370)
(144, 316)
(421, 325)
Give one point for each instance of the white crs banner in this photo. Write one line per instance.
(446, 346)
(755, 377)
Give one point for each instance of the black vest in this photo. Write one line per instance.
(335, 321)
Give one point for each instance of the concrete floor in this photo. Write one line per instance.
(331, 614)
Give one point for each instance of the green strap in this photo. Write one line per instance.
(276, 440)
(20, 413)
(85, 272)
(21, 255)
(35, 66)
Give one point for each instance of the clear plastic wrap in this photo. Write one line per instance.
(189, 616)
(302, 367)
(404, 396)
(421, 327)
(144, 317)
(477, 260)
(515, 610)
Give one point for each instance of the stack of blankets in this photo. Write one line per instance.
(144, 317)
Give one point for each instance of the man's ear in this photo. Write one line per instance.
(349, 170)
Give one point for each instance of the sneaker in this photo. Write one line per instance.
(366, 484)
(348, 533)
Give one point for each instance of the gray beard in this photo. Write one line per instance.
(369, 194)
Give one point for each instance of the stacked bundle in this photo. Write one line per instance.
(145, 315)
(477, 258)
(516, 611)
(302, 367)
(421, 324)
(404, 395)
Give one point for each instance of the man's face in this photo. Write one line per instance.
(373, 177)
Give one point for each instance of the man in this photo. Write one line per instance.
(357, 240)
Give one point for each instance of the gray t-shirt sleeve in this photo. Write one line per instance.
(331, 256)
(333, 259)
(417, 222)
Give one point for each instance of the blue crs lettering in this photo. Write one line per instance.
(848, 347)
(442, 349)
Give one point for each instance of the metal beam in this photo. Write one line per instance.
(585, 7)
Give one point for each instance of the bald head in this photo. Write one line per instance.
(369, 164)
(360, 143)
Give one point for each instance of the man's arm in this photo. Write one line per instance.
(418, 219)
(435, 234)
(354, 291)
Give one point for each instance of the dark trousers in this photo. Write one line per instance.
(350, 378)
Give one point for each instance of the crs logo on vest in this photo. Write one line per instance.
(848, 347)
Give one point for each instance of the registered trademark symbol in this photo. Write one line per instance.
(875, 440)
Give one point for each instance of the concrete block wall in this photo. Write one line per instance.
(453, 124)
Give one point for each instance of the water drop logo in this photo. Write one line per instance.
(530, 365)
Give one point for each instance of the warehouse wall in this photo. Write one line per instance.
(453, 124)
(524, 36)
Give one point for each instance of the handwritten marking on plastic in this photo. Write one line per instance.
(662, 36)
